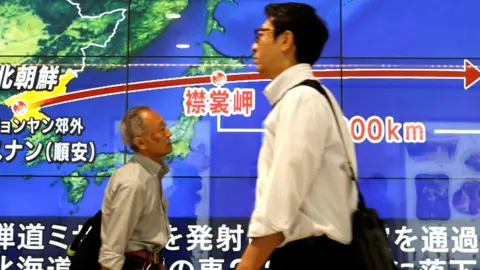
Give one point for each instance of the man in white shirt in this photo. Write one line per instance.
(304, 195)
(135, 227)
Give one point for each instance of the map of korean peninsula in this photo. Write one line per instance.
(70, 37)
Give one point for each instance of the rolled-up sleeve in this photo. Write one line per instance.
(300, 135)
(122, 206)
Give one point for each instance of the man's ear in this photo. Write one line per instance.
(140, 143)
(287, 40)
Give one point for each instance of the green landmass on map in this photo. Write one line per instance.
(212, 23)
(5, 94)
(54, 28)
(151, 20)
(59, 31)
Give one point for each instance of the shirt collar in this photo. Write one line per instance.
(157, 169)
(286, 80)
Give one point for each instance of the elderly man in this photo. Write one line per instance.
(135, 227)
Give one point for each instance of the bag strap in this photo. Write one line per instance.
(316, 85)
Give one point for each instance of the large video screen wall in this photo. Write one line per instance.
(404, 73)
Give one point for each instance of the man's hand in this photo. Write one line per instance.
(162, 267)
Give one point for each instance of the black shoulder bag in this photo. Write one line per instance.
(84, 250)
(370, 242)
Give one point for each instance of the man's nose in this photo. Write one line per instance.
(254, 46)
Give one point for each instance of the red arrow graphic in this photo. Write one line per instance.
(470, 75)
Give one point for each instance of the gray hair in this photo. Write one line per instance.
(132, 126)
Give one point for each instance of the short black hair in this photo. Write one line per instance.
(309, 29)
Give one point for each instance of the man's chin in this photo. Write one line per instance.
(169, 149)
(259, 68)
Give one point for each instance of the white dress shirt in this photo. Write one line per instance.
(303, 186)
(134, 211)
